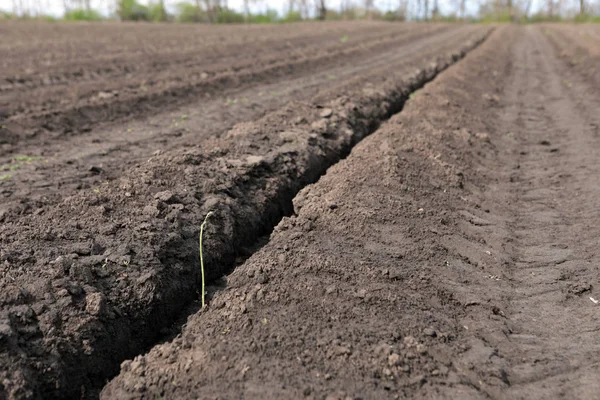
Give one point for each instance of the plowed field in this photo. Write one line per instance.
(452, 253)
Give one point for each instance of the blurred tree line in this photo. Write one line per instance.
(218, 11)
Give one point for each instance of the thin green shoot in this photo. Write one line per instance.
(202, 257)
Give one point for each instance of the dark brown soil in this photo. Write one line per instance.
(453, 254)
(97, 261)
(57, 166)
(66, 79)
(545, 334)
(579, 47)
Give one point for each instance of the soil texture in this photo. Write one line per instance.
(400, 211)
(453, 254)
(98, 263)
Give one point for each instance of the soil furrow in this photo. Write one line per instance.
(579, 47)
(54, 53)
(58, 171)
(79, 107)
(92, 280)
(350, 298)
(225, 55)
(453, 254)
(549, 242)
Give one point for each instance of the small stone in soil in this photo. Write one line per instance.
(429, 332)
(326, 113)
(393, 359)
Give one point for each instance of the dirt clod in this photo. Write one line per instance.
(429, 332)
(95, 303)
(326, 113)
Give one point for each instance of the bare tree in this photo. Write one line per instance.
(346, 8)
(304, 8)
(247, 9)
(321, 10)
(436, 10)
(418, 7)
(212, 9)
(24, 6)
(343, 6)
(527, 7)
(402, 9)
(291, 5)
(198, 9)
(369, 7)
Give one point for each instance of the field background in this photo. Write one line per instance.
(284, 11)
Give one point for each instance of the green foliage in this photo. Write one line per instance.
(268, 17)
(228, 16)
(542, 17)
(351, 13)
(333, 15)
(188, 13)
(81, 14)
(494, 18)
(394, 16)
(131, 10)
(47, 18)
(587, 18)
(157, 12)
(292, 16)
(5, 15)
